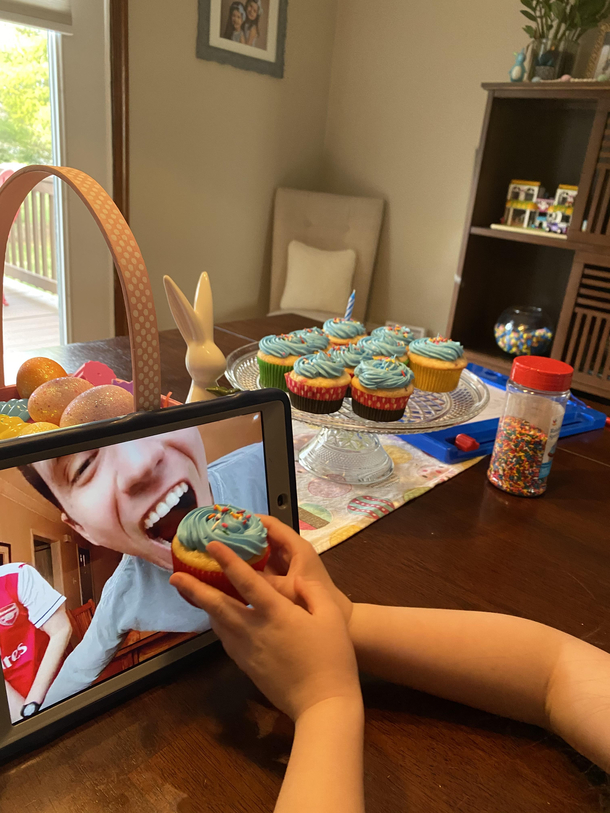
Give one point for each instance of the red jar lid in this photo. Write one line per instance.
(540, 373)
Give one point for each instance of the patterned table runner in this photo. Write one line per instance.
(330, 512)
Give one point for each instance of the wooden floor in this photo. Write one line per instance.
(31, 320)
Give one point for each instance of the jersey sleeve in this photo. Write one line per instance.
(99, 644)
(37, 596)
(239, 478)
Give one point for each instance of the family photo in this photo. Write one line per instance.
(246, 23)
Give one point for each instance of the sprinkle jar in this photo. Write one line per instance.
(536, 396)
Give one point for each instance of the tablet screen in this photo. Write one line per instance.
(85, 554)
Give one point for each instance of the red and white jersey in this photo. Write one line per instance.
(27, 602)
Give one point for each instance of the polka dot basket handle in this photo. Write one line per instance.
(128, 261)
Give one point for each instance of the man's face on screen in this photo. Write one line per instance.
(132, 496)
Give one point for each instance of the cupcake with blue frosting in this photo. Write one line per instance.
(385, 345)
(317, 383)
(400, 332)
(315, 338)
(350, 356)
(237, 528)
(437, 364)
(381, 389)
(277, 355)
(344, 331)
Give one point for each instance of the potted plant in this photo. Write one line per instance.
(555, 33)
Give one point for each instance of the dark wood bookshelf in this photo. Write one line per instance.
(554, 133)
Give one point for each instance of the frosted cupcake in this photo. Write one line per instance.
(381, 389)
(276, 357)
(344, 331)
(350, 356)
(386, 346)
(317, 384)
(436, 363)
(238, 529)
(315, 338)
(400, 332)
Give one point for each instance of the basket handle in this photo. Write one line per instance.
(128, 261)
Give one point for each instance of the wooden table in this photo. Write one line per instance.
(202, 740)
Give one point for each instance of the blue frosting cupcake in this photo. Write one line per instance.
(317, 383)
(381, 389)
(344, 331)
(386, 345)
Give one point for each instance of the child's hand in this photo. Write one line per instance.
(298, 656)
(293, 556)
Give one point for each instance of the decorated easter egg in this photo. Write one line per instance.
(10, 426)
(49, 400)
(373, 507)
(15, 407)
(35, 372)
(97, 404)
(35, 428)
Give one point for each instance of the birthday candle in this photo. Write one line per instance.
(350, 305)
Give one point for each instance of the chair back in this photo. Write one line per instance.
(328, 222)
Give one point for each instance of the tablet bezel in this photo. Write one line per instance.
(274, 408)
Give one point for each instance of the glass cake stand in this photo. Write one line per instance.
(347, 448)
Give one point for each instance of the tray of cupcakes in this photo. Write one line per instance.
(386, 382)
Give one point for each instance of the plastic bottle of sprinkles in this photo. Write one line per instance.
(536, 396)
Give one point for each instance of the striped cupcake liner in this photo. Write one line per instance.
(375, 407)
(216, 578)
(272, 375)
(431, 379)
(319, 400)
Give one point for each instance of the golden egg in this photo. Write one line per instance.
(35, 372)
(10, 426)
(98, 404)
(35, 428)
(49, 400)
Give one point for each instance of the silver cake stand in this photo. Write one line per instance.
(347, 448)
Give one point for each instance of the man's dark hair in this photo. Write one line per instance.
(36, 481)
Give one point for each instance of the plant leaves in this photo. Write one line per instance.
(531, 32)
(529, 15)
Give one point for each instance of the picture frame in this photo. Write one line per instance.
(257, 43)
(5, 554)
(599, 63)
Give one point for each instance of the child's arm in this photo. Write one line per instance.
(502, 664)
(495, 662)
(301, 657)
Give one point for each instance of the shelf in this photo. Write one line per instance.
(526, 236)
(499, 362)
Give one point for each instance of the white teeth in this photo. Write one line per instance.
(163, 508)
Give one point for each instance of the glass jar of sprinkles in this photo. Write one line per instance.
(536, 396)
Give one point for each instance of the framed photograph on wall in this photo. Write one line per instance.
(599, 64)
(5, 554)
(248, 34)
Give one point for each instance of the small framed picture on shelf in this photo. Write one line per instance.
(599, 64)
(5, 554)
(248, 34)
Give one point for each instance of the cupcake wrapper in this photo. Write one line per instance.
(374, 407)
(315, 393)
(216, 578)
(431, 379)
(272, 375)
(312, 405)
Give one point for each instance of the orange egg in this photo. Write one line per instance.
(35, 372)
(35, 428)
(98, 404)
(49, 400)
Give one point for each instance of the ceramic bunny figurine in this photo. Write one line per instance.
(204, 361)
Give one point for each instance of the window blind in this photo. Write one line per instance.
(55, 15)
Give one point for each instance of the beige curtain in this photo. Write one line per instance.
(55, 15)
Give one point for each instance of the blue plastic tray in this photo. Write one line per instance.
(441, 445)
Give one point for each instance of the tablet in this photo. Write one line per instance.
(87, 515)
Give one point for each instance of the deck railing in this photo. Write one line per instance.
(30, 255)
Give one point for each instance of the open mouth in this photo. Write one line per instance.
(161, 522)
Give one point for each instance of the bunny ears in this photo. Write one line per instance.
(195, 323)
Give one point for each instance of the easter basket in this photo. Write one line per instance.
(129, 264)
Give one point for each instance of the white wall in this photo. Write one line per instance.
(209, 145)
(405, 113)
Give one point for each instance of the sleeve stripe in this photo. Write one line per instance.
(49, 612)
